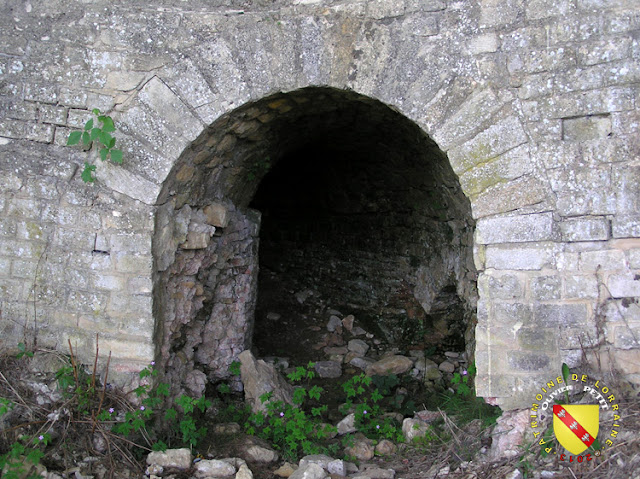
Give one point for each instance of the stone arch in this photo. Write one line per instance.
(385, 175)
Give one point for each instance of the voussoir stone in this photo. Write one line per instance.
(390, 365)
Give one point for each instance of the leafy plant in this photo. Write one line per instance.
(364, 399)
(464, 381)
(5, 406)
(97, 131)
(234, 368)
(289, 428)
(22, 351)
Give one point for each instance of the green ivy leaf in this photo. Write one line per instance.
(163, 388)
(103, 154)
(96, 112)
(137, 424)
(159, 446)
(74, 138)
(112, 143)
(88, 125)
(34, 456)
(95, 133)
(86, 138)
(87, 173)
(108, 124)
(171, 414)
(105, 138)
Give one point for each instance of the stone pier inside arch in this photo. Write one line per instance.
(326, 189)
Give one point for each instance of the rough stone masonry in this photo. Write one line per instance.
(526, 111)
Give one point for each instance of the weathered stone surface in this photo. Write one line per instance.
(328, 369)
(174, 458)
(213, 468)
(509, 433)
(320, 459)
(361, 363)
(244, 472)
(519, 229)
(257, 453)
(362, 448)
(337, 466)
(334, 323)
(260, 378)
(584, 229)
(285, 470)
(310, 471)
(377, 473)
(347, 425)
(217, 215)
(413, 428)
(347, 322)
(386, 448)
(390, 365)
(358, 347)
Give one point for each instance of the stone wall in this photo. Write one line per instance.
(534, 103)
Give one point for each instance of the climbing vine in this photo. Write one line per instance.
(97, 130)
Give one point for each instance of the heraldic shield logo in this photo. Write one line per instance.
(576, 426)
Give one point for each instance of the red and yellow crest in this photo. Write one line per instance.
(576, 426)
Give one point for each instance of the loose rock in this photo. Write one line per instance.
(244, 473)
(334, 323)
(256, 453)
(347, 425)
(347, 322)
(285, 470)
(361, 363)
(310, 471)
(337, 466)
(321, 459)
(427, 416)
(378, 473)
(362, 449)
(259, 378)
(447, 367)
(413, 428)
(211, 468)
(509, 433)
(175, 458)
(328, 369)
(358, 346)
(390, 365)
(386, 448)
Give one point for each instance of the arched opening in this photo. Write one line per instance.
(349, 202)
